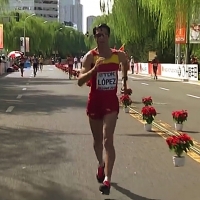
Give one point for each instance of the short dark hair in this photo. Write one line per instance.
(101, 26)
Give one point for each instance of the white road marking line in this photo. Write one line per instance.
(138, 78)
(144, 83)
(24, 89)
(19, 96)
(162, 88)
(10, 109)
(196, 97)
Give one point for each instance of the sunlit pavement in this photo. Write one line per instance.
(46, 144)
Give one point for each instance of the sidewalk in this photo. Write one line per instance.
(164, 78)
(47, 151)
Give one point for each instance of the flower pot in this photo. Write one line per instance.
(178, 127)
(126, 109)
(179, 161)
(147, 127)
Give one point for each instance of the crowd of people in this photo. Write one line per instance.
(35, 61)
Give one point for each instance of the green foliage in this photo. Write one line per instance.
(143, 26)
(148, 25)
(45, 38)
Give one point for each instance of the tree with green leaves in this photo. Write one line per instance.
(145, 25)
(45, 38)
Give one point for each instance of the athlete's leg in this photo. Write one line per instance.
(132, 69)
(108, 133)
(22, 71)
(109, 128)
(155, 72)
(96, 126)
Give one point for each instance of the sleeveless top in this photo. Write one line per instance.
(105, 80)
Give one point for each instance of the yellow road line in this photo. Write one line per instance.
(192, 154)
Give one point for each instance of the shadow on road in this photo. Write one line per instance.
(48, 191)
(185, 131)
(36, 100)
(28, 146)
(129, 194)
(143, 135)
(12, 81)
(47, 103)
(29, 158)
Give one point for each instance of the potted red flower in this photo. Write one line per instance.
(147, 101)
(74, 73)
(129, 91)
(148, 115)
(126, 102)
(179, 117)
(179, 144)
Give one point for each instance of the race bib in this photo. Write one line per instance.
(106, 80)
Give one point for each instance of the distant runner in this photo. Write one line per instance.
(155, 62)
(35, 65)
(41, 60)
(21, 65)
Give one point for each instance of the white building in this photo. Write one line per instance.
(49, 9)
(77, 14)
(65, 10)
(71, 11)
(25, 5)
(90, 20)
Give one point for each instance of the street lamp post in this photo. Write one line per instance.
(25, 31)
(56, 42)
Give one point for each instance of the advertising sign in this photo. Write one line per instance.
(1, 36)
(144, 68)
(22, 44)
(180, 33)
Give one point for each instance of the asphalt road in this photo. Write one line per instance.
(46, 147)
(169, 96)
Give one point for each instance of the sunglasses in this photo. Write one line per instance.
(98, 35)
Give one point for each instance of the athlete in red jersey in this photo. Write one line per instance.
(100, 67)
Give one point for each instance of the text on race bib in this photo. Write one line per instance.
(106, 80)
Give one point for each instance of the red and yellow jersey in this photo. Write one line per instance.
(106, 78)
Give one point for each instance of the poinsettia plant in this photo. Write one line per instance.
(125, 100)
(179, 144)
(74, 73)
(147, 101)
(129, 91)
(148, 114)
(180, 116)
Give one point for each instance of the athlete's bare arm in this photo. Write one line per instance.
(86, 71)
(124, 68)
